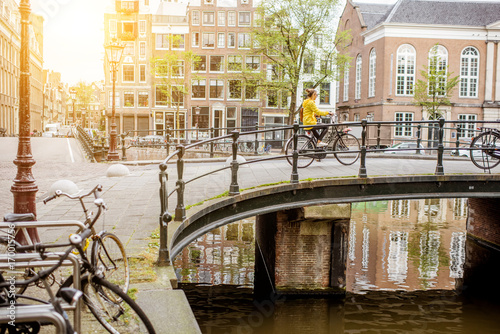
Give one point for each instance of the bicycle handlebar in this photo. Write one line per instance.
(95, 191)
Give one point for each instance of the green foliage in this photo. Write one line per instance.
(436, 87)
(84, 94)
(288, 34)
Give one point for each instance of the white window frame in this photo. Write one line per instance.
(233, 57)
(205, 90)
(203, 40)
(234, 40)
(229, 90)
(221, 40)
(221, 18)
(440, 53)
(195, 17)
(141, 44)
(405, 70)
(139, 93)
(145, 75)
(206, 15)
(123, 72)
(372, 73)
(145, 28)
(128, 92)
(247, 41)
(113, 23)
(244, 24)
(467, 129)
(193, 43)
(164, 41)
(222, 64)
(359, 66)
(346, 84)
(403, 130)
(110, 99)
(257, 97)
(469, 72)
(217, 81)
(231, 16)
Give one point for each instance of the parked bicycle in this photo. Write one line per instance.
(264, 149)
(107, 251)
(485, 148)
(345, 146)
(111, 306)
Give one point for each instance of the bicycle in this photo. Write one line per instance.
(485, 148)
(111, 306)
(344, 145)
(264, 149)
(107, 250)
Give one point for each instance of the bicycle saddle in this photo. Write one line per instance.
(18, 217)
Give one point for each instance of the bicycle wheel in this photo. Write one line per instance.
(108, 255)
(113, 308)
(482, 148)
(344, 146)
(304, 145)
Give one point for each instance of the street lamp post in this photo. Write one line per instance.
(24, 188)
(197, 110)
(114, 52)
(83, 118)
(72, 92)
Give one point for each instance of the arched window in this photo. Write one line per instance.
(406, 70)
(469, 72)
(357, 94)
(372, 73)
(346, 83)
(438, 68)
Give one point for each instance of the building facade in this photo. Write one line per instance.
(10, 44)
(391, 45)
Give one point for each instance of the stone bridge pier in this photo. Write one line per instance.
(302, 251)
(482, 248)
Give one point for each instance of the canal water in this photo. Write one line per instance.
(404, 259)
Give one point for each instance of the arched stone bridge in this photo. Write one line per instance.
(213, 214)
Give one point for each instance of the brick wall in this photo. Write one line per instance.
(483, 221)
(303, 253)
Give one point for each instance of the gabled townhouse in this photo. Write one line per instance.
(391, 44)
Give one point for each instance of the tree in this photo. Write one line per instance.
(436, 87)
(170, 71)
(288, 34)
(84, 92)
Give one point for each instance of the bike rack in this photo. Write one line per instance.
(32, 260)
(35, 313)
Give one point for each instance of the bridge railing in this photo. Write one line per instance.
(436, 144)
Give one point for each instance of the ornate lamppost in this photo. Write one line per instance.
(24, 188)
(114, 52)
(72, 92)
(197, 110)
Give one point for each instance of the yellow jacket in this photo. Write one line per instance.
(310, 110)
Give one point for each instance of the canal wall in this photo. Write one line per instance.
(302, 251)
(482, 248)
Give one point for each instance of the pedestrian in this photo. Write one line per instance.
(310, 113)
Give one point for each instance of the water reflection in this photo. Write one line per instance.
(393, 245)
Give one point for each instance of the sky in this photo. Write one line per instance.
(74, 36)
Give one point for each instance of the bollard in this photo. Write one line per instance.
(124, 149)
(457, 143)
(212, 142)
(295, 174)
(256, 143)
(164, 219)
(362, 165)
(167, 146)
(419, 137)
(234, 188)
(439, 167)
(180, 210)
(378, 135)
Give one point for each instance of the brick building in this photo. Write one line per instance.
(391, 45)
(10, 43)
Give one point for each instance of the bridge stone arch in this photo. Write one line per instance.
(328, 191)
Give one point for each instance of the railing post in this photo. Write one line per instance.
(295, 174)
(419, 137)
(378, 135)
(212, 142)
(457, 143)
(234, 188)
(439, 167)
(180, 210)
(164, 219)
(103, 141)
(124, 149)
(362, 165)
(256, 144)
(167, 146)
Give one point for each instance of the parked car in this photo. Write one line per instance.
(461, 153)
(404, 148)
(150, 140)
(51, 130)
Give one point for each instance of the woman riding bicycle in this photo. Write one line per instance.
(309, 118)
